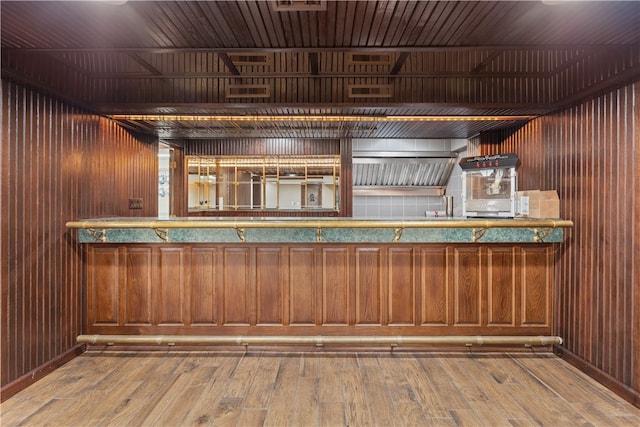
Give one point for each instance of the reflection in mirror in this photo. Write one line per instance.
(263, 183)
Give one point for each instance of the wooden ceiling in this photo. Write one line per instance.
(363, 60)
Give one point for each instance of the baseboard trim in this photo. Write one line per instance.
(40, 372)
(624, 391)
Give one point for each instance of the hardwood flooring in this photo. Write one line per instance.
(316, 389)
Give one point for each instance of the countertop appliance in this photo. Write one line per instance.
(489, 185)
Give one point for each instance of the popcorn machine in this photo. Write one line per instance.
(489, 185)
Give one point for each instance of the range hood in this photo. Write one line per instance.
(423, 173)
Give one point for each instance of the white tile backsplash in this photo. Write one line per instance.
(396, 207)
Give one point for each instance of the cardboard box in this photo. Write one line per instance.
(537, 204)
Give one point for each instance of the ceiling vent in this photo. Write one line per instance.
(250, 58)
(248, 91)
(369, 58)
(370, 91)
(299, 5)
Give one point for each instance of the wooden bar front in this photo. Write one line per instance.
(320, 288)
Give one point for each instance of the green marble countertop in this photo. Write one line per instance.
(305, 230)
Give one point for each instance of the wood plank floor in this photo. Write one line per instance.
(316, 389)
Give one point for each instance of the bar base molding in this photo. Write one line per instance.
(40, 372)
(319, 340)
(624, 391)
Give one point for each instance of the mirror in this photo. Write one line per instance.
(263, 183)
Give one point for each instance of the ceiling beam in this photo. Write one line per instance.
(399, 63)
(481, 66)
(229, 63)
(280, 75)
(144, 64)
(313, 59)
(387, 49)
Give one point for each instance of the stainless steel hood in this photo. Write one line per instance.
(402, 172)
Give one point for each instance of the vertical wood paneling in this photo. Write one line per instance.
(589, 154)
(171, 287)
(630, 307)
(436, 283)
(466, 287)
(501, 287)
(335, 286)
(136, 297)
(178, 179)
(103, 287)
(302, 285)
(204, 284)
(401, 284)
(535, 287)
(270, 286)
(346, 178)
(237, 286)
(59, 163)
(368, 286)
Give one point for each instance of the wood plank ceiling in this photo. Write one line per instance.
(245, 67)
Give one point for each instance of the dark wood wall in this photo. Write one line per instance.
(590, 154)
(58, 164)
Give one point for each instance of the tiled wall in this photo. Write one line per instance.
(409, 207)
(454, 187)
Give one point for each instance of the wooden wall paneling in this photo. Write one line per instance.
(303, 302)
(178, 182)
(172, 296)
(467, 291)
(369, 289)
(346, 178)
(335, 286)
(632, 249)
(205, 285)
(238, 287)
(588, 153)
(59, 163)
(103, 286)
(271, 286)
(401, 282)
(435, 283)
(502, 286)
(137, 304)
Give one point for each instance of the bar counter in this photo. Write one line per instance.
(338, 230)
(228, 280)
